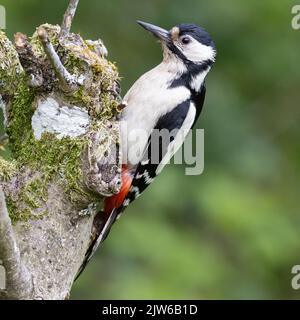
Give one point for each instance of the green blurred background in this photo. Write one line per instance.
(234, 231)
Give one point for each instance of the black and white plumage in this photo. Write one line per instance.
(169, 97)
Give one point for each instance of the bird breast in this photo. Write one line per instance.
(147, 100)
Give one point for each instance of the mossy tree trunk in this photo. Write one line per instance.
(60, 98)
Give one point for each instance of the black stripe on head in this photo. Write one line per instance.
(197, 33)
(178, 53)
(193, 70)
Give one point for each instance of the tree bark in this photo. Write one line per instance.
(60, 98)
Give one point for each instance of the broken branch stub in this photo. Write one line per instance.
(69, 83)
(29, 61)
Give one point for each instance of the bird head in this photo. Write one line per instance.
(187, 42)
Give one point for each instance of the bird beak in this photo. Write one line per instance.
(158, 32)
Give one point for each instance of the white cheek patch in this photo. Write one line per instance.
(198, 52)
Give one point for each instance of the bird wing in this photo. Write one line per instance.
(177, 123)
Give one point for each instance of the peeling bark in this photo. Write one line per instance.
(52, 189)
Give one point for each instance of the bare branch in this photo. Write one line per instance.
(18, 279)
(68, 81)
(68, 18)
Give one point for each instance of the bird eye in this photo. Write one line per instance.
(185, 40)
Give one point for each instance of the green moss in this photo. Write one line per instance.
(81, 96)
(32, 196)
(21, 208)
(10, 67)
(97, 97)
(21, 111)
(52, 31)
(109, 107)
(54, 159)
(80, 58)
(7, 170)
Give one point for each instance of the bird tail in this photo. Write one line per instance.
(100, 237)
(113, 206)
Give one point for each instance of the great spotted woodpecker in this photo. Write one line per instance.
(168, 97)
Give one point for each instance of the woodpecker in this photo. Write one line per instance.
(168, 97)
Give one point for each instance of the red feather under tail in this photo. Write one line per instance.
(110, 215)
(116, 201)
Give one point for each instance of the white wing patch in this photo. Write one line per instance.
(179, 139)
(126, 202)
(136, 191)
(145, 175)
